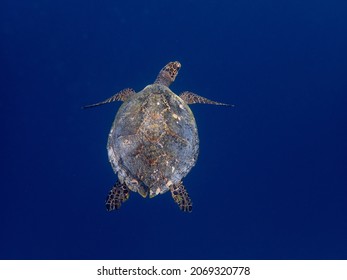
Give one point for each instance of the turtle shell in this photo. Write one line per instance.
(153, 142)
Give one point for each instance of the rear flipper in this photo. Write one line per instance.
(117, 195)
(181, 197)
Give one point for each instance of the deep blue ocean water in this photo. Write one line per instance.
(271, 178)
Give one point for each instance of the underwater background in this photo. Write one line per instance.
(271, 177)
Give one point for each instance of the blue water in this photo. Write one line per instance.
(271, 178)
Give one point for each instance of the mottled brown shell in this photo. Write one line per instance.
(153, 142)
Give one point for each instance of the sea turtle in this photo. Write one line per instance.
(153, 142)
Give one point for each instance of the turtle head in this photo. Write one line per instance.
(168, 74)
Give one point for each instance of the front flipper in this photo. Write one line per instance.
(181, 197)
(120, 96)
(117, 195)
(192, 98)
